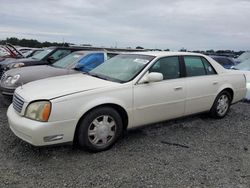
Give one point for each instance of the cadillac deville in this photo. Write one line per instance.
(129, 90)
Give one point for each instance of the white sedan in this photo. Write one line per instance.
(126, 91)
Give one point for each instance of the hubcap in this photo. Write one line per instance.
(102, 130)
(222, 105)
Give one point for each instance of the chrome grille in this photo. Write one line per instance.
(17, 103)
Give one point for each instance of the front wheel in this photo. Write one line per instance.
(221, 105)
(100, 129)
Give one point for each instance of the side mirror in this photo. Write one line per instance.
(79, 66)
(51, 59)
(151, 77)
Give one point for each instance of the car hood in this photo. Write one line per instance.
(22, 60)
(32, 73)
(6, 61)
(59, 86)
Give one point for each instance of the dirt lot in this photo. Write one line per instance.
(192, 152)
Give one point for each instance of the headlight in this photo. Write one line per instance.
(39, 110)
(15, 79)
(16, 65)
(8, 80)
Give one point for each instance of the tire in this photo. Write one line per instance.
(221, 105)
(5, 101)
(99, 129)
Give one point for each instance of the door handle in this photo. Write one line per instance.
(215, 83)
(178, 88)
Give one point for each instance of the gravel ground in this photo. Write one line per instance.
(191, 152)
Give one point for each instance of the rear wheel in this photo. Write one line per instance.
(221, 105)
(100, 129)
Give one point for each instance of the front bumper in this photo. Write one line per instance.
(40, 133)
(7, 91)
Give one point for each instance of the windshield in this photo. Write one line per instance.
(67, 62)
(245, 65)
(42, 54)
(121, 68)
(26, 54)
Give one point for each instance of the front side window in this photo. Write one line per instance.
(122, 68)
(42, 54)
(168, 66)
(59, 54)
(110, 55)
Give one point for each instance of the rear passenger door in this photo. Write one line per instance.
(202, 84)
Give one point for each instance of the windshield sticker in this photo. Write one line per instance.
(141, 61)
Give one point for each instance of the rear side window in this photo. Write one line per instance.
(168, 66)
(90, 61)
(208, 67)
(197, 66)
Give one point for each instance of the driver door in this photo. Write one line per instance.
(158, 101)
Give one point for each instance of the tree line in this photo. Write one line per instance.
(30, 43)
(36, 44)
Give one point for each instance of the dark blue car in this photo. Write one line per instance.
(226, 62)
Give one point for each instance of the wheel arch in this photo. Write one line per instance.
(229, 90)
(122, 112)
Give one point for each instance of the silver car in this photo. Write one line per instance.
(80, 61)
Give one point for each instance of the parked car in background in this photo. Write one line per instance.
(244, 56)
(32, 52)
(9, 51)
(24, 49)
(80, 61)
(46, 57)
(226, 62)
(128, 90)
(244, 67)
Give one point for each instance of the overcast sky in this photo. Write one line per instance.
(173, 24)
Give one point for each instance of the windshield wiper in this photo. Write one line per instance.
(96, 75)
(102, 77)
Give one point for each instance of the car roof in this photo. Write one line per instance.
(218, 56)
(161, 54)
(99, 51)
(64, 47)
